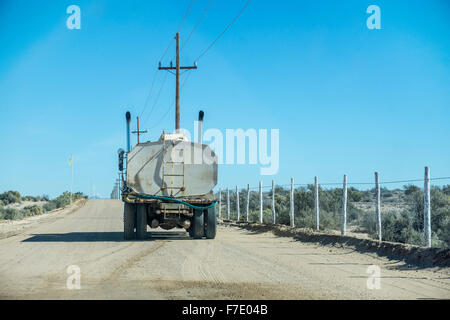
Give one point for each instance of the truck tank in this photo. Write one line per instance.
(172, 167)
(169, 184)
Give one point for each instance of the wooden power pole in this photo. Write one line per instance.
(177, 69)
(138, 131)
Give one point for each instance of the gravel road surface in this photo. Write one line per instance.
(238, 264)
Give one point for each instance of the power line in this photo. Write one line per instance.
(164, 54)
(171, 105)
(196, 25)
(179, 28)
(150, 93)
(221, 34)
(157, 97)
(185, 15)
(441, 178)
(189, 36)
(177, 70)
(355, 183)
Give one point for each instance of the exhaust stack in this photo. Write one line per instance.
(128, 117)
(201, 114)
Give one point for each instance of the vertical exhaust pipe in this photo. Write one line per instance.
(128, 117)
(201, 114)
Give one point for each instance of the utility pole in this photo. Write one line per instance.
(237, 204)
(427, 208)
(344, 207)
(220, 203)
(138, 132)
(273, 202)
(177, 69)
(71, 177)
(248, 201)
(378, 205)
(316, 201)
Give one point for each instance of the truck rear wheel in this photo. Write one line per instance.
(190, 230)
(141, 222)
(210, 223)
(129, 221)
(198, 225)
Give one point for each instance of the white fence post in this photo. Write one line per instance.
(427, 208)
(292, 203)
(228, 204)
(378, 205)
(248, 201)
(220, 203)
(316, 201)
(260, 203)
(344, 207)
(237, 204)
(273, 202)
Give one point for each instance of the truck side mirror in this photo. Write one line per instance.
(121, 153)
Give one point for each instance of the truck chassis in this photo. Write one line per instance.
(196, 216)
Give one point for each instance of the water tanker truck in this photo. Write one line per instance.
(169, 184)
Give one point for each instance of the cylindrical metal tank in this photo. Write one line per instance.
(173, 167)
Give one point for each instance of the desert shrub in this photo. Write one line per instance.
(410, 189)
(446, 190)
(34, 199)
(33, 210)
(354, 195)
(398, 227)
(62, 200)
(404, 225)
(15, 214)
(49, 206)
(353, 213)
(443, 233)
(11, 214)
(10, 197)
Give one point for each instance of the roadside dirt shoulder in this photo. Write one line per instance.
(9, 228)
(410, 254)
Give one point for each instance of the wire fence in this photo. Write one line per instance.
(407, 214)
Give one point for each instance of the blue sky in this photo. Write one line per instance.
(346, 99)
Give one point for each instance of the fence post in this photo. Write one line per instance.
(248, 201)
(344, 207)
(378, 205)
(427, 208)
(316, 201)
(292, 203)
(260, 203)
(220, 203)
(228, 204)
(237, 204)
(273, 202)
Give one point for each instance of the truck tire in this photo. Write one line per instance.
(141, 222)
(190, 230)
(129, 221)
(198, 224)
(210, 223)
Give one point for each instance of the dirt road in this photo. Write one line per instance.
(236, 265)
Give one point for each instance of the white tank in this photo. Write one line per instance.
(172, 166)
